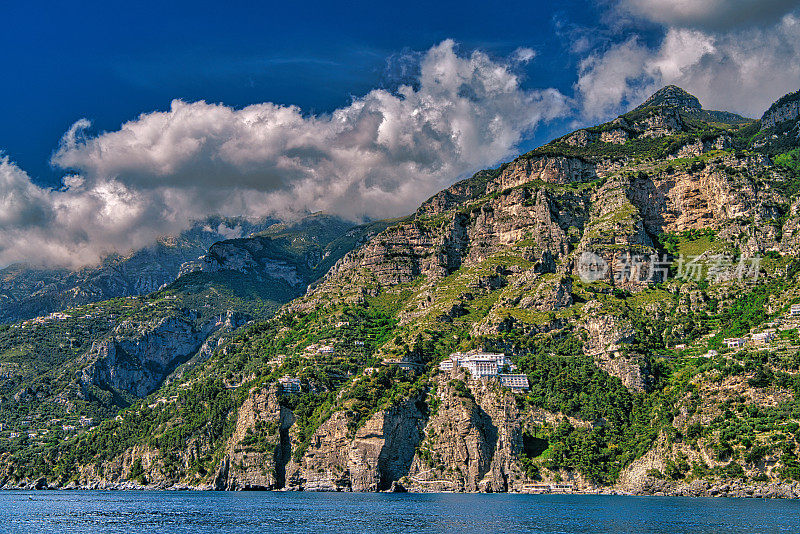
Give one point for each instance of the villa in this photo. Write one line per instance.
(487, 365)
(763, 337)
(735, 342)
(480, 364)
(794, 310)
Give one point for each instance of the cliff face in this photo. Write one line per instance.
(252, 256)
(785, 109)
(371, 459)
(554, 170)
(472, 441)
(257, 453)
(617, 218)
(136, 359)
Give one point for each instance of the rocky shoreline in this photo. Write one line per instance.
(697, 488)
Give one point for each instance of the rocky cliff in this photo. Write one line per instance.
(136, 358)
(785, 109)
(571, 260)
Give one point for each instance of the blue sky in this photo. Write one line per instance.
(111, 61)
(126, 121)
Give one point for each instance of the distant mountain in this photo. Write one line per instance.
(27, 292)
(290, 256)
(90, 360)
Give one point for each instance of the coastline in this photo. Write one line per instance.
(696, 489)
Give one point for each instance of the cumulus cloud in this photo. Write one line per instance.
(377, 157)
(741, 70)
(709, 14)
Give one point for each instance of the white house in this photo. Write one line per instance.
(794, 310)
(485, 365)
(735, 342)
(763, 337)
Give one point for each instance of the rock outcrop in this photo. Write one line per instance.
(785, 109)
(253, 256)
(136, 359)
(256, 455)
(370, 459)
(472, 440)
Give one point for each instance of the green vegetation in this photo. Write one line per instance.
(362, 343)
(789, 163)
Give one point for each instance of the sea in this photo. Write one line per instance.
(167, 512)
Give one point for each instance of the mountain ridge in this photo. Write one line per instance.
(493, 263)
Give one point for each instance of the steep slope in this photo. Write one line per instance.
(89, 361)
(573, 260)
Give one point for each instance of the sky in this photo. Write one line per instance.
(127, 121)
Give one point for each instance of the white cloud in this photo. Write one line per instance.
(709, 14)
(743, 70)
(523, 55)
(377, 157)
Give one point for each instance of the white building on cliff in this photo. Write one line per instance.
(487, 365)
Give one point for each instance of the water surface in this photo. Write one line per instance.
(228, 512)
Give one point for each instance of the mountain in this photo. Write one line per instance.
(674, 97)
(90, 360)
(779, 131)
(27, 292)
(619, 267)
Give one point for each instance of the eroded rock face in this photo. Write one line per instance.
(790, 236)
(136, 362)
(556, 170)
(250, 256)
(256, 455)
(617, 136)
(660, 122)
(437, 247)
(456, 194)
(581, 138)
(371, 459)
(472, 443)
(607, 336)
(708, 196)
(781, 113)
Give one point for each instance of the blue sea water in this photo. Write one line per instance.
(219, 512)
